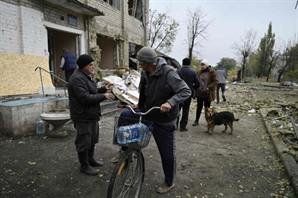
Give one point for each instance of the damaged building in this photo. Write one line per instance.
(34, 32)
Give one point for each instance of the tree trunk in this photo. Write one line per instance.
(279, 76)
(268, 72)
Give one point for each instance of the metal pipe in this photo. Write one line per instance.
(51, 73)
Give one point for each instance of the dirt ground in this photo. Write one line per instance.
(220, 165)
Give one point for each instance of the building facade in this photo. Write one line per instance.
(34, 32)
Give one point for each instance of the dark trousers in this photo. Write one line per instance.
(164, 136)
(185, 112)
(221, 86)
(68, 73)
(200, 102)
(87, 135)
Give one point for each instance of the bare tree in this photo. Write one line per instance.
(272, 61)
(162, 31)
(197, 29)
(289, 58)
(245, 47)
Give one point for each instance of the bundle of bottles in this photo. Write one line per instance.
(132, 133)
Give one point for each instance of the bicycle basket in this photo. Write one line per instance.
(135, 135)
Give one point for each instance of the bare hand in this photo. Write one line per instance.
(109, 86)
(109, 96)
(165, 107)
(134, 106)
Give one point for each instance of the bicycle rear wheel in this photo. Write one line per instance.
(128, 175)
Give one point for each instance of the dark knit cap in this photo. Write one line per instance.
(186, 61)
(147, 55)
(84, 60)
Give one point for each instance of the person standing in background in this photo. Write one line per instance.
(68, 63)
(206, 91)
(191, 79)
(222, 77)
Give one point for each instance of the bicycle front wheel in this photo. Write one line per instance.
(128, 175)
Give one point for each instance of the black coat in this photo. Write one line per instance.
(84, 97)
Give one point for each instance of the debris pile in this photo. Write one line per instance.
(126, 87)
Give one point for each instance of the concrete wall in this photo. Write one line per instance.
(120, 26)
(18, 118)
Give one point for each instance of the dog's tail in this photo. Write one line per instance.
(236, 119)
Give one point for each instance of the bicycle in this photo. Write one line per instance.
(128, 175)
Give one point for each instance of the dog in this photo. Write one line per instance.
(218, 118)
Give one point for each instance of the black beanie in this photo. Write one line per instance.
(186, 61)
(84, 60)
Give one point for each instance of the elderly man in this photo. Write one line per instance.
(85, 112)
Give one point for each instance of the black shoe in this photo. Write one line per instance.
(183, 129)
(195, 124)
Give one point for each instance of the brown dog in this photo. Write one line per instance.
(213, 118)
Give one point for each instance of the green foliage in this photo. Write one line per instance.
(195, 63)
(265, 51)
(292, 74)
(252, 67)
(233, 72)
(228, 63)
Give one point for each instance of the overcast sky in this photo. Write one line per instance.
(231, 20)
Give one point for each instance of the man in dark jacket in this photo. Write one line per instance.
(222, 77)
(84, 105)
(68, 63)
(190, 77)
(160, 86)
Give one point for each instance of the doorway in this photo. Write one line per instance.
(57, 40)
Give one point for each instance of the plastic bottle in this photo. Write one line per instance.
(127, 134)
(40, 128)
(132, 133)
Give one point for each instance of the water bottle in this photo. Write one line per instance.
(51, 127)
(127, 134)
(143, 131)
(40, 128)
(132, 133)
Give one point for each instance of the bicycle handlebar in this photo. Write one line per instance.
(138, 113)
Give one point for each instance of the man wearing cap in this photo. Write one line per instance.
(160, 86)
(68, 63)
(206, 91)
(190, 77)
(85, 112)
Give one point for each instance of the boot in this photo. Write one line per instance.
(85, 167)
(92, 161)
(224, 98)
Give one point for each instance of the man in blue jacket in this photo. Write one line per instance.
(190, 77)
(68, 63)
(222, 77)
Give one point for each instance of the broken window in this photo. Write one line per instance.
(135, 9)
(114, 3)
